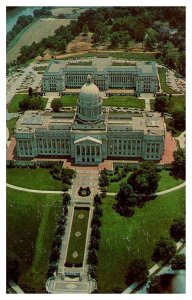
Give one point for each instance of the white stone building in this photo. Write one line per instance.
(90, 135)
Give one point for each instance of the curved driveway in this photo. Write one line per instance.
(14, 187)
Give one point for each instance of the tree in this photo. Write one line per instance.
(178, 165)
(97, 199)
(145, 179)
(85, 30)
(179, 119)
(164, 250)
(56, 105)
(13, 269)
(103, 180)
(138, 270)
(151, 37)
(155, 286)
(92, 258)
(94, 244)
(161, 104)
(125, 198)
(177, 229)
(30, 92)
(178, 262)
(95, 232)
(95, 221)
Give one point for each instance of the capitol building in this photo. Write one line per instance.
(90, 134)
(107, 73)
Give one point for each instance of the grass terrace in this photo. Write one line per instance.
(11, 125)
(39, 179)
(164, 86)
(31, 223)
(78, 236)
(124, 101)
(80, 63)
(69, 100)
(125, 239)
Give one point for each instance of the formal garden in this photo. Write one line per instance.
(76, 246)
(31, 223)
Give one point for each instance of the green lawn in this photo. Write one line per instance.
(68, 100)
(177, 103)
(125, 239)
(39, 179)
(124, 101)
(11, 125)
(13, 106)
(78, 243)
(31, 223)
(164, 86)
(166, 181)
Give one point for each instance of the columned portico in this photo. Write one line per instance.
(88, 150)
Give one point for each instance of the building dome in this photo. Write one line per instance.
(89, 102)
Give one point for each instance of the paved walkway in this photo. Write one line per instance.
(73, 192)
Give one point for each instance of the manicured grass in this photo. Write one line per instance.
(13, 106)
(31, 223)
(167, 181)
(11, 125)
(164, 86)
(78, 243)
(125, 239)
(69, 100)
(124, 101)
(39, 179)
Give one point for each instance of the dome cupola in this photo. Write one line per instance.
(89, 102)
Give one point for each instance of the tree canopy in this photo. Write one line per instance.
(178, 165)
(56, 105)
(164, 250)
(138, 270)
(126, 199)
(177, 229)
(178, 262)
(145, 179)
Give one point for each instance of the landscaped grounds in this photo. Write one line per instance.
(11, 125)
(39, 179)
(125, 239)
(13, 106)
(166, 182)
(76, 247)
(31, 224)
